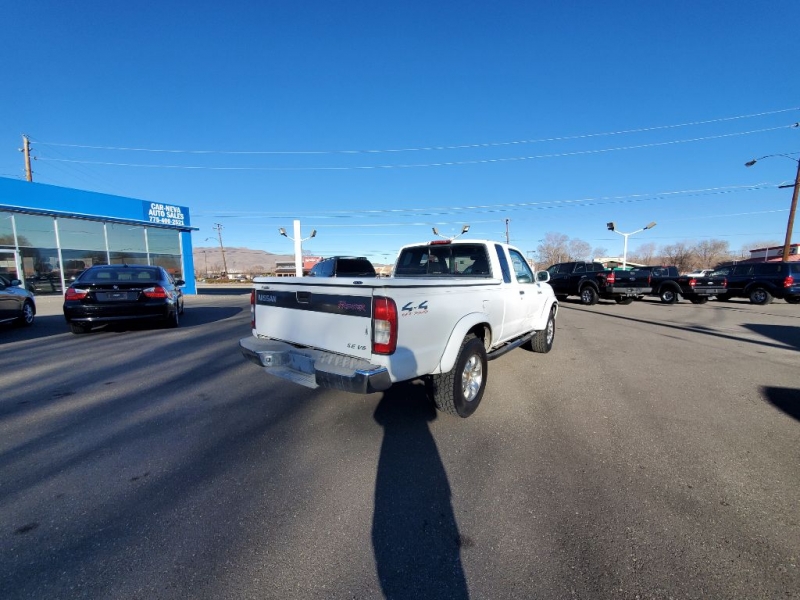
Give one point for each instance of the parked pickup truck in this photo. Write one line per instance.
(591, 281)
(448, 308)
(670, 286)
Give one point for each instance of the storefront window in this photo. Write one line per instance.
(165, 250)
(6, 230)
(126, 239)
(81, 234)
(126, 244)
(35, 232)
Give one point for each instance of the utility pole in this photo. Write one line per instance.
(507, 238)
(26, 151)
(218, 227)
(788, 242)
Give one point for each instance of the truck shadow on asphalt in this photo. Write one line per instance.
(415, 536)
(787, 400)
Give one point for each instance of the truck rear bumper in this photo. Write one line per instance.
(623, 290)
(315, 368)
(707, 291)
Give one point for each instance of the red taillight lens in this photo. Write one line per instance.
(725, 282)
(252, 309)
(384, 325)
(75, 294)
(788, 282)
(692, 282)
(156, 292)
(611, 278)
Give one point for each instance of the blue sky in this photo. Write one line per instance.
(372, 122)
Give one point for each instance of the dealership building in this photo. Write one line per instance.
(49, 234)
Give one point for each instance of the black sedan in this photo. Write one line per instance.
(105, 294)
(17, 305)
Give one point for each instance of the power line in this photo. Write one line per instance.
(426, 148)
(456, 210)
(428, 165)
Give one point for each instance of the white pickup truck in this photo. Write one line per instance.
(448, 308)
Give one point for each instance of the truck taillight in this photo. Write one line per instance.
(75, 294)
(611, 278)
(384, 325)
(788, 282)
(252, 309)
(692, 282)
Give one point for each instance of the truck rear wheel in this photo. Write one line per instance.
(669, 296)
(760, 295)
(589, 296)
(459, 391)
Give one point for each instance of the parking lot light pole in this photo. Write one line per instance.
(613, 227)
(793, 207)
(298, 246)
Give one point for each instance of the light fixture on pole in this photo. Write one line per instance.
(613, 227)
(464, 230)
(790, 224)
(298, 246)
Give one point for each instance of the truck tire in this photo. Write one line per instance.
(699, 300)
(724, 297)
(792, 299)
(668, 295)
(589, 296)
(624, 300)
(760, 295)
(459, 391)
(542, 341)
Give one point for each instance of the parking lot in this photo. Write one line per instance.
(652, 454)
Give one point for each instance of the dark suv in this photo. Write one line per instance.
(762, 282)
(343, 266)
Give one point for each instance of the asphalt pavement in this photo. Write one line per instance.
(652, 454)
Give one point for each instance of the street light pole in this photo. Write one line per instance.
(790, 225)
(613, 227)
(298, 246)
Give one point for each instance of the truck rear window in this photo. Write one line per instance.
(456, 260)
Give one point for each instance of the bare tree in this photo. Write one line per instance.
(681, 255)
(255, 270)
(599, 252)
(554, 248)
(643, 254)
(710, 253)
(579, 250)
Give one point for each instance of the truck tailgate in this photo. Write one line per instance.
(303, 314)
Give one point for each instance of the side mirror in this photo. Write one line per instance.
(542, 276)
(15, 282)
(180, 282)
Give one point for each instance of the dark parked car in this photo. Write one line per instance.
(762, 282)
(17, 305)
(343, 266)
(105, 294)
